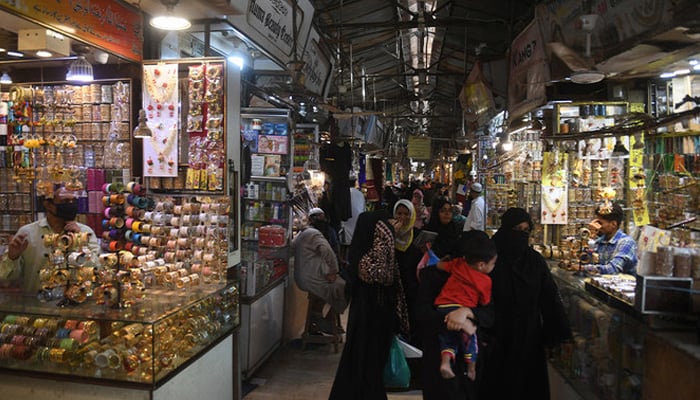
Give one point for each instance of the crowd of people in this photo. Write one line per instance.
(499, 286)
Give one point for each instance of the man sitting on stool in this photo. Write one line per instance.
(316, 272)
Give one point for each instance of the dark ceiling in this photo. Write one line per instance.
(409, 59)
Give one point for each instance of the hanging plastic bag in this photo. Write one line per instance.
(396, 372)
(410, 351)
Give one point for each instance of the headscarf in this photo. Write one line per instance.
(404, 237)
(448, 234)
(419, 194)
(512, 244)
(514, 216)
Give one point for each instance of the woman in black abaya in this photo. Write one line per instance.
(441, 222)
(431, 323)
(529, 316)
(377, 312)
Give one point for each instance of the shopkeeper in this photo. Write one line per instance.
(617, 252)
(27, 254)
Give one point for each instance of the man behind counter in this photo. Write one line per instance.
(616, 250)
(26, 253)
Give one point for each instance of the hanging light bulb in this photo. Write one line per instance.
(240, 56)
(80, 70)
(142, 131)
(169, 21)
(5, 79)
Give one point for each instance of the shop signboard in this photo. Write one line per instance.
(318, 66)
(113, 26)
(419, 148)
(270, 25)
(528, 71)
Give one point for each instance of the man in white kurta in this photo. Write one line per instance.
(357, 207)
(476, 219)
(316, 269)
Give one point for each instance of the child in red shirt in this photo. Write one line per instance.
(468, 286)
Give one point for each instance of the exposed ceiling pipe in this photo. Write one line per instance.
(352, 80)
(438, 23)
(374, 94)
(364, 86)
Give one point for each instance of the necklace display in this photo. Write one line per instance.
(160, 100)
(160, 82)
(553, 199)
(554, 188)
(163, 146)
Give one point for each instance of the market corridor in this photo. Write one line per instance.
(305, 375)
(293, 374)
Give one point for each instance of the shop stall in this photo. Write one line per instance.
(266, 224)
(154, 314)
(568, 159)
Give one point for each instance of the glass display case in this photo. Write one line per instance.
(266, 215)
(660, 101)
(574, 118)
(305, 148)
(606, 360)
(142, 344)
(266, 224)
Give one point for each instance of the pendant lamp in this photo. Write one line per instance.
(169, 21)
(80, 70)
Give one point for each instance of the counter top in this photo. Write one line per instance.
(686, 342)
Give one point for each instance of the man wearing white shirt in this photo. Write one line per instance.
(357, 207)
(476, 219)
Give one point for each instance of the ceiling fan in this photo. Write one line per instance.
(582, 66)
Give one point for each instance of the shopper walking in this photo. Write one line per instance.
(408, 255)
(422, 212)
(431, 323)
(476, 219)
(529, 316)
(442, 223)
(357, 207)
(377, 309)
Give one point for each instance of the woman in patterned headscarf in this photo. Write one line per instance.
(377, 310)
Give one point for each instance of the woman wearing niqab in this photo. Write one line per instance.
(529, 316)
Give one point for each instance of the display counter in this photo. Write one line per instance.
(145, 347)
(606, 359)
(671, 365)
(618, 352)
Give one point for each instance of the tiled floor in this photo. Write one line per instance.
(292, 374)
